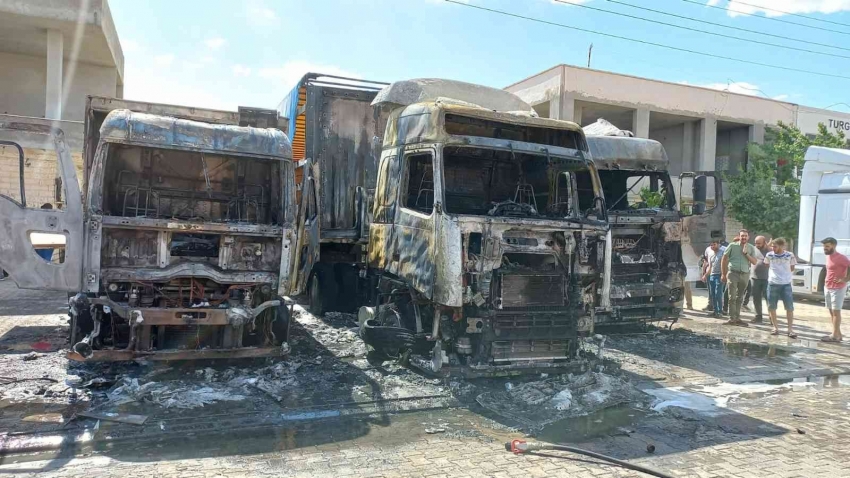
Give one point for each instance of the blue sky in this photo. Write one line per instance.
(224, 53)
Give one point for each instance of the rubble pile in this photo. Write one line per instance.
(337, 332)
(537, 403)
(207, 386)
(168, 395)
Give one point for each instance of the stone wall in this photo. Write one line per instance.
(40, 171)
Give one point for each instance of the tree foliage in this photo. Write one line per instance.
(650, 198)
(766, 197)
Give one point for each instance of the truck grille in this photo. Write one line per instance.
(532, 290)
(531, 325)
(507, 350)
(188, 337)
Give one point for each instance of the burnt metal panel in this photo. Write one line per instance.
(125, 126)
(420, 90)
(532, 290)
(188, 269)
(507, 350)
(97, 107)
(129, 248)
(413, 250)
(619, 152)
(17, 255)
(138, 223)
(341, 127)
(528, 324)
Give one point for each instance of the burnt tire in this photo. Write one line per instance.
(282, 323)
(322, 289)
(386, 339)
(82, 323)
(280, 326)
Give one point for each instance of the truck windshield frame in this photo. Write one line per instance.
(502, 182)
(652, 190)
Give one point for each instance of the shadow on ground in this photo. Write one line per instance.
(326, 401)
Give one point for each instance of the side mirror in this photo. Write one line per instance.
(699, 192)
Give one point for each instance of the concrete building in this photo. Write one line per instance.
(701, 128)
(54, 53)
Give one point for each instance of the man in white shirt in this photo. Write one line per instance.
(708, 257)
(781, 263)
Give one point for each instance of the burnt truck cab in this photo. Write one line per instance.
(182, 245)
(482, 256)
(648, 272)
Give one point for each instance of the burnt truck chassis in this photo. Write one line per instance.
(188, 235)
(526, 322)
(647, 270)
(501, 290)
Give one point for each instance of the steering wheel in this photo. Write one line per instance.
(596, 200)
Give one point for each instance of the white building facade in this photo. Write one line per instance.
(54, 54)
(702, 129)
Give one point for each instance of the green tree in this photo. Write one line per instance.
(766, 197)
(649, 198)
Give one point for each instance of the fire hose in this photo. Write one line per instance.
(521, 446)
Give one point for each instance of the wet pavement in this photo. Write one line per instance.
(688, 392)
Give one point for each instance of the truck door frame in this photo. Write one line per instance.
(414, 232)
(17, 220)
(699, 230)
(308, 230)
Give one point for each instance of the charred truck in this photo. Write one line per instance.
(180, 246)
(480, 231)
(647, 269)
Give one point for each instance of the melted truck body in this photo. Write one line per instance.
(183, 240)
(478, 256)
(648, 272)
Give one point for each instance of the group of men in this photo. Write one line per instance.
(764, 269)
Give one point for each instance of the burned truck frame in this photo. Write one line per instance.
(478, 257)
(648, 272)
(182, 245)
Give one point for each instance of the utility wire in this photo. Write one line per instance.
(755, 32)
(695, 2)
(731, 80)
(733, 37)
(835, 104)
(792, 14)
(644, 42)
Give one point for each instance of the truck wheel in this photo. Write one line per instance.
(281, 324)
(322, 290)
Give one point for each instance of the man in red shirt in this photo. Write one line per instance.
(835, 285)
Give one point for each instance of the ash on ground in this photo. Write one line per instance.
(537, 403)
(336, 331)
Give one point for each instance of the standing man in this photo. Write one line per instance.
(758, 277)
(835, 285)
(724, 245)
(712, 278)
(781, 263)
(707, 257)
(737, 259)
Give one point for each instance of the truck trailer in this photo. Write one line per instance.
(824, 212)
(472, 236)
(181, 243)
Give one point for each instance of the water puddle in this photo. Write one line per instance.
(712, 400)
(705, 400)
(818, 383)
(753, 350)
(617, 420)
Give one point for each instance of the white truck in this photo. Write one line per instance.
(824, 212)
